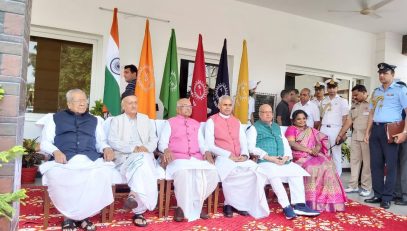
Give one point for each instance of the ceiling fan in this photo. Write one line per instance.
(367, 10)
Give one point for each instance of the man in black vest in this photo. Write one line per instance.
(80, 177)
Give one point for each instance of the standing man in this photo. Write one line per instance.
(133, 138)
(386, 105)
(79, 180)
(282, 110)
(294, 98)
(243, 185)
(360, 154)
(190, 164)
(319, 88)
(130, 75)
(252, 91)
(312, 110)
(334, 111)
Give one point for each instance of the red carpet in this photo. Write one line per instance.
(356, 217)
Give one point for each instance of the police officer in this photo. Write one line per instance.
(334, 111)
(360, 154)
(386, 104)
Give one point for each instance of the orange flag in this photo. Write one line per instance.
(145, 87)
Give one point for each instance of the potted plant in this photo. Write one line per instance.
(30, 161)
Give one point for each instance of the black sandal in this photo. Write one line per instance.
(86, 225)
(68, 225)
(139, 217)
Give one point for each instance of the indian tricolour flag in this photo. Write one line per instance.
(111, 96)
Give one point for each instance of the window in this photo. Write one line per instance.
(54, 67)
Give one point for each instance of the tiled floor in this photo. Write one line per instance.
(397, 209)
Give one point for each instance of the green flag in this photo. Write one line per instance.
(169, 93)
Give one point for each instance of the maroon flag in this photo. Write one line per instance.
(198, 88)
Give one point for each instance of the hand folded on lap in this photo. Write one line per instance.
(59, 157)
(140, 149)
(108, 154)
(208, 157)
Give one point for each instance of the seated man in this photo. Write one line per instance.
(183, 145)
(243, 186)
(133, 138)
(266, 141)
(79, 181)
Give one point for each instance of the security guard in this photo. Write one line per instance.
(334, 111)
(360, 154)
(387, 103)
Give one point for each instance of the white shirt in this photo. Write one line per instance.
(210, 139)
(48, 135)
(332, 111)
(165, 138)
(252, 139)
(251, 108)
(311, 109)
(317, 102)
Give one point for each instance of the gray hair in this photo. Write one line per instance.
(225, 97)
(179, 101)
(69, 94)
(307, 90)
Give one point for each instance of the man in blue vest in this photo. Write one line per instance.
(79, 179)
(387, 103)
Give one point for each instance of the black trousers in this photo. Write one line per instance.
(381, 154)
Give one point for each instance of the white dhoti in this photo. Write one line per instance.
(243, 186)
(141, 171)
(292, 174)
(80, 188)
(332, 132)
(194, 181)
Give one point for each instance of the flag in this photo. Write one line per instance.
(198, 88)
(111, 95)
(145, 87)
(169, 93)
(222, 79)
(242, 92)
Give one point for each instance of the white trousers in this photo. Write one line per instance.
(192, 187)
(297, 192)
(80, 188)
(332, 133)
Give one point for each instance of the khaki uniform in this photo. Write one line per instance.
(360, 152)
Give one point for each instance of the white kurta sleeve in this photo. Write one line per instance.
(47, 137)
(201, 141)
(153, 139)
(114, 138)
(164, 137)
(243, 140)
(210, 140)
(101, 141)
(251, 143)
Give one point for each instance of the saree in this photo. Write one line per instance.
(323, 189)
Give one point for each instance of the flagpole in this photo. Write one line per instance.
(135, 15)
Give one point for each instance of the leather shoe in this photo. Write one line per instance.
(385, 204)
(204, 215)
(242, 213)
(227, 211)
(401, 202)
(179, 215)
(373, 200)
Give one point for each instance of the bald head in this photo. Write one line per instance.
(266, 113)
(184, 107)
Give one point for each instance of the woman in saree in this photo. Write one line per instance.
(323, 189)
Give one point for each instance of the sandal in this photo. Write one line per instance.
(86, 225)
(68, 225)
(142, 221)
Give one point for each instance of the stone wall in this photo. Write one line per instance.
(15, 17)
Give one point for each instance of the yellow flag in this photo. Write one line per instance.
(242, 92)
(145, 86)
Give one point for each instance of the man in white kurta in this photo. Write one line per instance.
(266, 140)
(79, 178)
(312, 110)
(133, 137)
(190, 164)
(243, 185)
(334, 111)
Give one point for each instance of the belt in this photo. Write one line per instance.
(380, 123)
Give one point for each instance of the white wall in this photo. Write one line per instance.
(274, 38)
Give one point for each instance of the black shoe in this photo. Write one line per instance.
(179, 215)
(228, 211)
(401, 202)
(374, 200)
(242, 213)
(397, 199)
(204, 215)
(385, 204)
